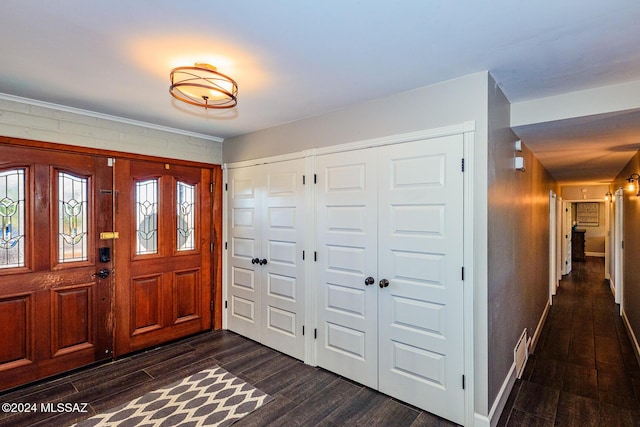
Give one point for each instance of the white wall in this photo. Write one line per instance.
(27, 119)
(448, 103)
(601, 100)
(584, 192)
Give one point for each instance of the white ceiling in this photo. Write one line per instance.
(294, 58)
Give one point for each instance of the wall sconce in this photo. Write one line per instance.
(608, 196)
(633, 183)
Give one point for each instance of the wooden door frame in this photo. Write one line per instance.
(216, 228)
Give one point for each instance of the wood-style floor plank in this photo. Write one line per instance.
(583, 371)
(302, 394)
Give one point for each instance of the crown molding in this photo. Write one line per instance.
(87, 113)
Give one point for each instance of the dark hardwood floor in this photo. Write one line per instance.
(584, 371)
(303, 395)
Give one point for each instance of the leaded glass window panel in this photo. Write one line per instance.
(186, 216)
(73, 224)
(147, 217)
(12, 218)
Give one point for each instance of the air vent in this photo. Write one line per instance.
(521, 353)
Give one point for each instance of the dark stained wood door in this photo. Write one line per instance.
(54, 308)
(163, 254)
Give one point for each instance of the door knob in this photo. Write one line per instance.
(255, 261)
(384, 283)
(263, 261)
(369, 281)
(103, 274)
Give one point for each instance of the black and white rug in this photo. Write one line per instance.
(212, 397)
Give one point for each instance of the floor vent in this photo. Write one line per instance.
(521, 353)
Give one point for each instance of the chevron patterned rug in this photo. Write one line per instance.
(212, 397)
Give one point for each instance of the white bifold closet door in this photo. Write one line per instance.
(394, 214)
(266, 227)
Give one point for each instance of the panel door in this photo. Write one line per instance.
(346, 201)
(54, 309)
(566, 233)
(283, 230)
(420, 311)
(618, 247)
(244, 296)
(163, 254)
(266, 226)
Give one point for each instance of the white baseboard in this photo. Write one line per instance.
(509, 381)
(632, 335)
(596, 254)
(503, 395)
(612, 286)
(536, 334)
(480, 420)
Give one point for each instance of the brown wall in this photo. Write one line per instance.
(518, 226)
(631, 255)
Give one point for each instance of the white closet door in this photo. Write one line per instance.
(283, 229)
(421, 256)
(346, 207)
(244, 231)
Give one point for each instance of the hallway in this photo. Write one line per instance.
(584, 371)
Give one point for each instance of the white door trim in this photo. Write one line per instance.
(618, 247)
(465, 128)
(552, 246)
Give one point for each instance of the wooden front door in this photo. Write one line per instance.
(54, 306)
(163, 253)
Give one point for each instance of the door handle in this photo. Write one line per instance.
(369, 281)
(263, 261)
(255, 261)
(384, 283)
(103, 273)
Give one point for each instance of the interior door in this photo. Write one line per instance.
(54, 306)
(244, 292)
(618, 247)
(346, 200)
(163, 215)
(266, 226)
(553, 257)
(420, 284)
(566, 237)
(283, 229)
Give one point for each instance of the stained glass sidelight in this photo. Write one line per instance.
(147, 217)
(186, 216)
(12, 218)
(72, 218)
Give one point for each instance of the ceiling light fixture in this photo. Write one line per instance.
(204, 86)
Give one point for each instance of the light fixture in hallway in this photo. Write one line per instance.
(633, 183)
